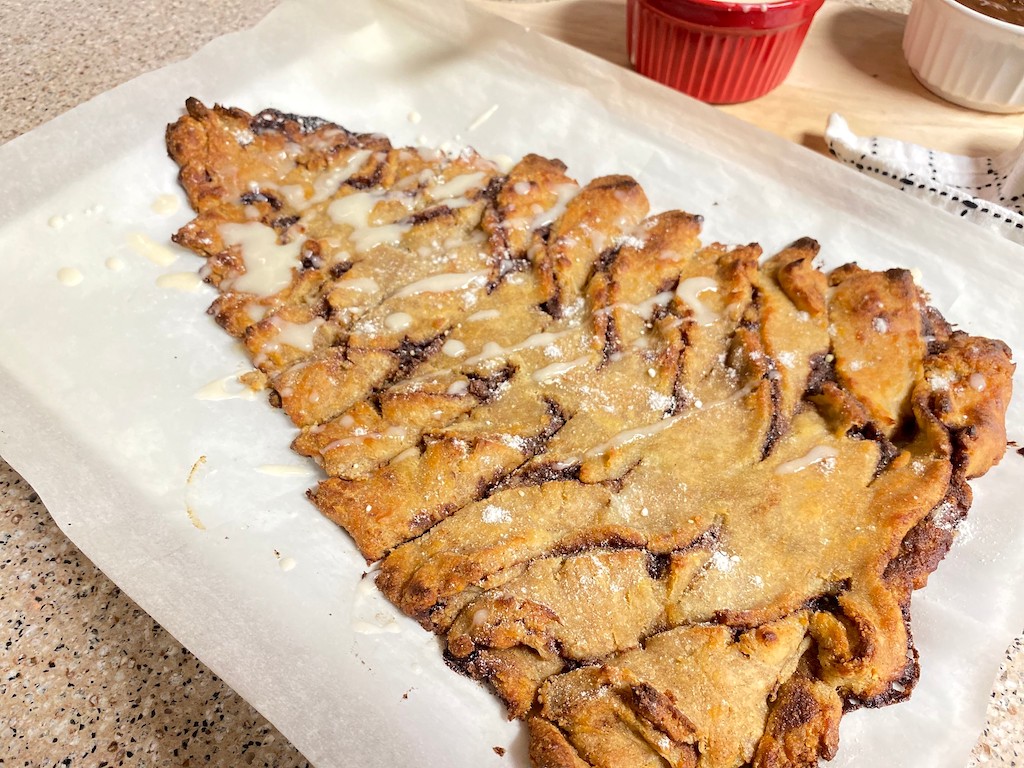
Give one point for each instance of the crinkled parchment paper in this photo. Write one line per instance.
(171, 495)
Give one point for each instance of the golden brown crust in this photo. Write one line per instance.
(549, 748)
(669, 500)
(693, 690)
(802, 726)
(878, 341)
(969, 384)
(803, 284)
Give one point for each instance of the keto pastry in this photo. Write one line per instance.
(668, 500)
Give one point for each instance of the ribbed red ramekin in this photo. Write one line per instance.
(719, 52)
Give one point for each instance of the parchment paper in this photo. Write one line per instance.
(98, 380)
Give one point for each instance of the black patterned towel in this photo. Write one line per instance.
(986, 190)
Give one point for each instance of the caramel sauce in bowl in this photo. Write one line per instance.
(969, 52)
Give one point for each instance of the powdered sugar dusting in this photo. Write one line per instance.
(516, 442)
(659, 402)
(945, 516)
(493, 514)
(723, 562)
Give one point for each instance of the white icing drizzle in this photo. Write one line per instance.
(345, 442)
(414, 117)
(977, 382)
(328, 182)
(457, 202)
(114, 264)
(689, 291)
(492, 349)
(504, 163)
(165, 205)
(187, 282)
(443, 283)
(483, 314)
(457, 186)
(398, 321)
(639, 433)
(366, 587)
(360, 284)
(294, 195)
(354, 209)
(387, 234)
(218, 390)
(555, 370)
(286, 470)
(145, 246)
(296, 335)
(70, 276)
(483, 118)
(819, 454)
(632, 241)
(366, 628)
(361, 436)
(522, 187)
(256, 312)
(287, 563)
(268, 264)
(628, 436)
(459, 387)
(453, 348)
(644, 309)
(565, 193)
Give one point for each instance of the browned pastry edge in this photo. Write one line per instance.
(898, 409)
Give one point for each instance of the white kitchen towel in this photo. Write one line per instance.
(988, 191)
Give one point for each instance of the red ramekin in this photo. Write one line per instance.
(718, 52)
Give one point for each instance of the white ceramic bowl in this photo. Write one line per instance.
(966, 57)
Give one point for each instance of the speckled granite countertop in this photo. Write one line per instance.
(87, 678)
